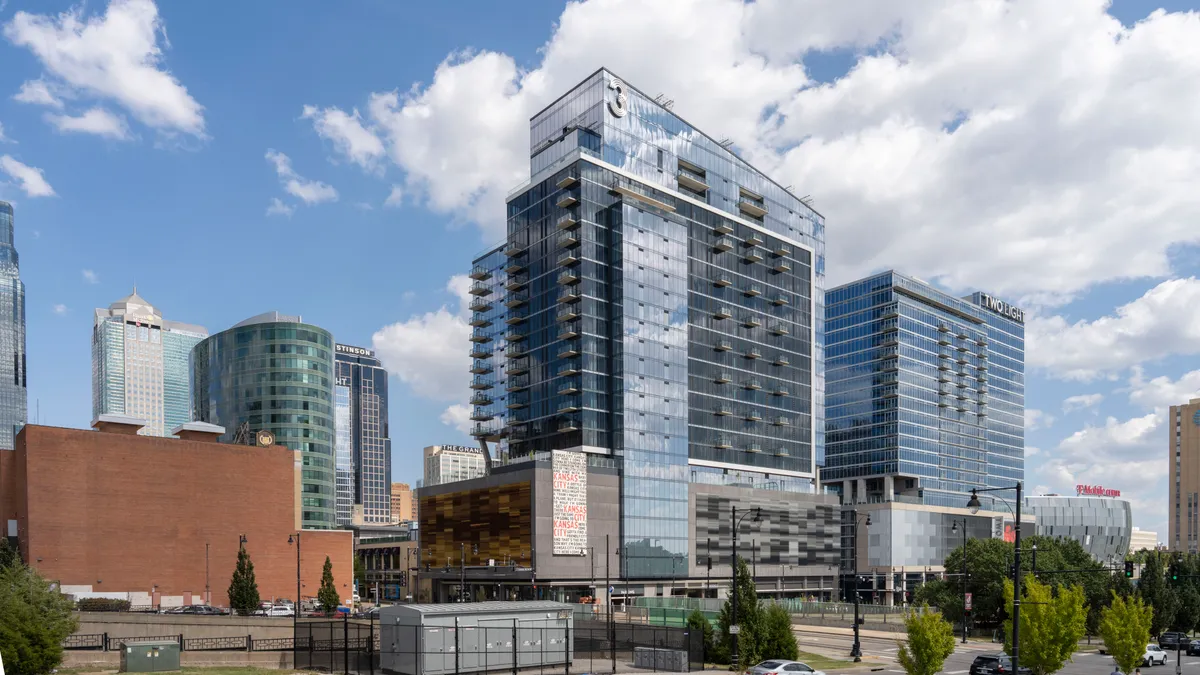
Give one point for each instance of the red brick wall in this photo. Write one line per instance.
(127, 513)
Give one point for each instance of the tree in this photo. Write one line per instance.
(328, 595)
(1125, 629)
(945, 596)
(1187, 609)
(34, 620)
(1051, 624)
(1152, 588)
(747, 621)
(777, 641)
(930, 641)
(9, 556)
(697, 622)
(988, 561)
(243, 588)
(360, 575)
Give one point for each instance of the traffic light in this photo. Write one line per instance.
(1128, 569)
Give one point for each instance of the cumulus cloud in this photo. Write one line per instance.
(60, 309)
(1010, 133)
(395, 198)
(1037, 419)
(1162, 392)
(1081, 402)
(30, 179)
(349, 137)
(307, 191)
(1161, 322)
(90, 276)
(96, 121)
(116, 56)
(37, 92)
(3, 139)
(278, 208)
(457, 416)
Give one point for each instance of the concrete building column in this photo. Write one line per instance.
(861, 496)
(889, 488)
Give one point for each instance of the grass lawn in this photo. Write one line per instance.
(818, 662)
(215, 670)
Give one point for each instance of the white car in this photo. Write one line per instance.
(1154, 656)
(782, 667)
(276, 610)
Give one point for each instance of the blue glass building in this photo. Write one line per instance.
(662, 305)
(364, 450)
(926, 394)
(273, 372)
(14, 398)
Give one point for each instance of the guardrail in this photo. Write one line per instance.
(241, 643)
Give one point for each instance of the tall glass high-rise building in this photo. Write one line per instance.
(274, 372)
(364, 451)
(14, 398)
(926, 394)
(662, 305)
(141, 365)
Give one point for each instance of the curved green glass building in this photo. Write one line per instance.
(274, 372)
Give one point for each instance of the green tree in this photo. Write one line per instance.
(328, 595)
(9, 556)
(988, 563)
(930, 641)
(1121, 585)
(1187, 609)
(777, 640)
(747, 620)
(1125, 629)
(1051, 624)
(697, 622)
(34, 620)
(360, 576)
(1152, 588)
(243, 588)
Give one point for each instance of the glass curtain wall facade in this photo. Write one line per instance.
(669, 305)
(14, 397)
(926, 393)
(495, 378)
(141, 365)
(1101, 525)
(273, 372)
(343, 454)
(366, 397)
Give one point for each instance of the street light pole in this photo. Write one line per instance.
(856, 649)
(973, 504)
(757, 513)
(296, 604)
(954, 527)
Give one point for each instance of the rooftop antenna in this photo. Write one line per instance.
(807, 200)
(725, 143)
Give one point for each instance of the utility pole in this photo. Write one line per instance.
(207, 589)
(708, 566)
(462, 572)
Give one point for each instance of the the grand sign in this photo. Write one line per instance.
(353, 351)
(570, 502)
(1002, 308)
(1096, 491)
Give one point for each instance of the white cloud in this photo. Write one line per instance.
(307, 191)
(1126, 455)
(395, 198)
(31, 180)
(1161, 392)
(429, 353)
(1030, 451)
(1160, 323)
(94, 121)
(60, 309)
(349, 137)
(91, 277)
(278, 208)
(1037, 419)
(2, 137)
(1081, 402)
(115, 56)
(1041, 144)
(37, 92)
(364, 206)
(457, 416)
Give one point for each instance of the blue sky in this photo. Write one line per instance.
(345, 161)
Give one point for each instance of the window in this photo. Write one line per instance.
(660, 159)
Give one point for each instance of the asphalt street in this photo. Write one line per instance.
(879, 656)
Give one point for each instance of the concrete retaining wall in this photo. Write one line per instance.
(121, 624)
(96, 659)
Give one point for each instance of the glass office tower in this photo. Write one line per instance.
(492, 330)
(273, 372)
(14, 398)
(926, 394)
(361, 409)
(141, 365)
(664, 304)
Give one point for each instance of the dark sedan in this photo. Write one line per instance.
(1193, 648)
(995, 664)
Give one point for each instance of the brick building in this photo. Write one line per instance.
(160, 519)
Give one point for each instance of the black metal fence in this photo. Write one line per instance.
(589, 647)
(242, 643)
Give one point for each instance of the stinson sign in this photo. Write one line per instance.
(1096, 491)
(1001, 307)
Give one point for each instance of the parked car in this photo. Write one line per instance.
(203, 610)
(1154, 656)
(1193, 648)
(776, 666)
(1172, 640)
(995, 664)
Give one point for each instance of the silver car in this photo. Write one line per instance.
(775, 666)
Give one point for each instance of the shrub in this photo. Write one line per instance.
(34, 620)
(102, 605)
(697, 622)
(777, 640)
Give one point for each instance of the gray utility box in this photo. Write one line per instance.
(149, 656)
(654, 658)
(475, 637)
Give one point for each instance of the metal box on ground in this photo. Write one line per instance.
(474, 637)
(653, 658)
(149, 656)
